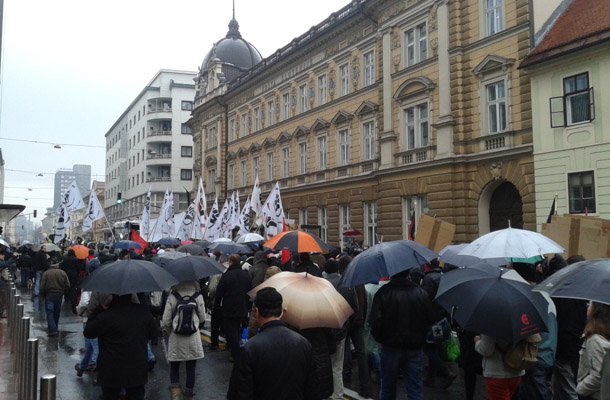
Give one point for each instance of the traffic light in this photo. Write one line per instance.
(119, 200)
(35, 213)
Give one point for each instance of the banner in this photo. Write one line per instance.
(72, 199)
(186, 227)
(236, 213)
(202, 207)
(274, 213)
(145, 223)
(94, 212)
(244, 219)
(139, 240)
(166, 216)
(255, 203)
(223, 218)
(60, 228)
(212, 231)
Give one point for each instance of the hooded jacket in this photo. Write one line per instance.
(259, 268)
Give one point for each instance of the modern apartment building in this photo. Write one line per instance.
(384, 111)
(64, 178)
(151, 146)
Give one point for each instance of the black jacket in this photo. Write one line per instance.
(430, 283)
(40, 261)
(258, 270)
(401, 314)
(275, 364)
(24, 261)
(123, 331)
(323, 344)
(309, 267)
(232, 292)
(71, 266)
(571, 321)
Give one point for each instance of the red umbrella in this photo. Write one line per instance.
(352, 232)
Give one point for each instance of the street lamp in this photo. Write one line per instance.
(57, 146)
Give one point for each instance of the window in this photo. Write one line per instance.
(417, 44)
(344, 224)
(496, 107)
(303, 98)
(270, 113)
(231, 174)
(369, 68)
(302, 158)
(323, 222)
(370, 223)
(322, 153)
(186, 151)
(244, 173)
(577, 99)
(186, 130)
(232, 129)
(257, 120)
(270, 165)
(368, 138)
(344, 74)
(413, 207)
(212, 138)
(244, 124)
(286, 105)
(343, 147)
(285, 162)
(255, 166)
(581, 188)
(302, 216)
(494, 16)
(322, 90)
(187, 105)
(417, 126)
(211, 180)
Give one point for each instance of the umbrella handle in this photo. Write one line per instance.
(451, 314)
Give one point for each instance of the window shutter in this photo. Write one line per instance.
(557, 107)
(591, 104)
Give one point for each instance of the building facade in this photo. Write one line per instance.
(382, 112)
(570, 84)
(64, 177)
(150, 146)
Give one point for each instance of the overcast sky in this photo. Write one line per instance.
(71, 67)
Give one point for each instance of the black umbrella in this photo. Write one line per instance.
(163, 258)
(231, 248)
(191, 249)
(384, 260)
(126, 245)
(203, 244)
(495, 302)
(169, 241)
(587, 280)
(129, 276)
(192, 268)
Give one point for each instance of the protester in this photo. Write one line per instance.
(252, 324)
(24, 263)
(123, 329)
(54, 284)
(89, 360)
(181, 346)
(400, 316)
(4, 288)
(502, 381)
(605, 389)
(470, 361)
(215, 312)
(232, 295)
(259, 268)
(371, 345)
(323, 344)
(275, 364)
(594, 349)
(306, 265)
(40, 264)
(71, 265)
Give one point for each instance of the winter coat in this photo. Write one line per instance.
(430, 283)
(401, 314)
(323, 344)
(54, 281)
(592, 355)
(252, 323)
(71, 265)
(605, 391)
(349, 294)
(123, 332)
(40, 261)
(571, 321)
(232, 292)
(257, 271)
(275, 364)
(310, 268)
(24, 261)
(183, 347)
(493, 362)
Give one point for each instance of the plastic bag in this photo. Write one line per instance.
(451, 348)
(244, 337)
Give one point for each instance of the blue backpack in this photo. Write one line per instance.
(186, 309)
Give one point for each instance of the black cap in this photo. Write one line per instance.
(268, 299)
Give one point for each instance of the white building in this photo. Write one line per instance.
(151, 146)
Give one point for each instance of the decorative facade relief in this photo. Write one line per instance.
(312, 91)
(396, 37)
(277, 106)
(496, 170)
(332, 77)
(432, 19)
(434, 46)
(293, 99)
(355, 72)
(396, 62)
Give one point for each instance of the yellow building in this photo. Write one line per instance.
(382, 112)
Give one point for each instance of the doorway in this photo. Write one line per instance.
(505, 205)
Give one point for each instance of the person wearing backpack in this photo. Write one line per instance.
(502, 381)
(183, 313)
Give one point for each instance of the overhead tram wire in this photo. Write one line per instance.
(53, 143)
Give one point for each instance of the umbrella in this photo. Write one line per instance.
(449, 255)
(493, 301)
(24, 248)
(352, 232)
(204, 244)
(297, 242)
(126, 245)
(169, 241)
(129, 276)
(81, 251)
(384, 260)
(250, 237)
(231, 248)
(308, 301)
(191, 268)
(511, 243)
(4, 243)
(48, 247)
(163, 258)
(186, 242)
(191, 249)
(587, 280)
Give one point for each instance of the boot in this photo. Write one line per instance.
(188, 396)
(174, 392)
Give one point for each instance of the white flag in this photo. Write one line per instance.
(223, 218)
(202, 207)
(166, 216)
(186, 227)
(274, 213)
(212, 231)
(145, 223)
(94, 212)
(60, 228)
(244, 218)
(73, 198)
(255, 203)
(236, 211)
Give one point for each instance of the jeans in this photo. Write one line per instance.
(37, 284)
(91, 352)
(336, 360)
(151, 356)
(174, 374)
(356, 334)
(564, 380)
(132, 393)
(533, 383)
(52, 305)
(393, 361)
(26, 275)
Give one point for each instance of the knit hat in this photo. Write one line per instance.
(268, 299)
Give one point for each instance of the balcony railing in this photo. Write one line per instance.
(159, 133)
(158, 156)
(158, 179)
(160, 110)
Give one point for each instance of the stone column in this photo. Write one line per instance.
(387, 138)
(444, 126)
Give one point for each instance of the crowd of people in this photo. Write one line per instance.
(391, 333)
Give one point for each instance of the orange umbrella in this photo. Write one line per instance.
(308, 301)
(81, 251)
(297, 242)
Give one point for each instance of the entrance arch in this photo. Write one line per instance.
(500, 202)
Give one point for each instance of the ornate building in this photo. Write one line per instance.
(383, 111)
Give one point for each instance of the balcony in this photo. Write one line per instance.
(154, 156)
(415, 156)
(156, 133)
(496, 142)
(157, 179)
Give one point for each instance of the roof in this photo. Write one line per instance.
(583, 24)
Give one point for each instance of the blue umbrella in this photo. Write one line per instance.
(126, 245)
(231, 248)
(384, 260)
(169, 241)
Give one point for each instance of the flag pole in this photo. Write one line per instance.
(110, 227)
